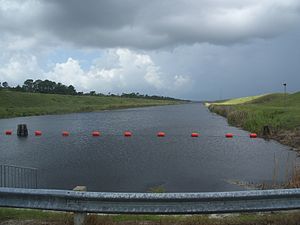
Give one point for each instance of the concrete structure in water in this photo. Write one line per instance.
(22, 130)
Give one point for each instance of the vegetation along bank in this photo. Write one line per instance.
(275, 116)
(48, 97)
(16, 104)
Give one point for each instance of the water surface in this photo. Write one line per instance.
(112, 162)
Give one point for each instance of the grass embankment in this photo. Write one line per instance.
(15, 104)
(278, 111)
(34, 217)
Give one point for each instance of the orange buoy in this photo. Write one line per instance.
(65, 133)
(8, 132)
(95, 133)
(229, 135)
(38, 133)
(161, 134)
(127, 134)
(253, 135)
(195, 134)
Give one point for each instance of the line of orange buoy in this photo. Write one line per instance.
(129, 134)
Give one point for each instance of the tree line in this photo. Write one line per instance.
(42, 86)
(51, 87)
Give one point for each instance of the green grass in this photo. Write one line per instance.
(29, 214)
(48, 217)
(243, 100)
(15, 104)
(252, 113)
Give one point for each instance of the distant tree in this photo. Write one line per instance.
(5, 84)
(51, 87)
(37, 86)
(60, 88)
(48, 86)
(71, 90)
(28, 85)
(18, 88)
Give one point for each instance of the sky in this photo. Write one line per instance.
(190, 49)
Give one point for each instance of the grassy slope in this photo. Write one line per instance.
(272, 109)
(236, 101)
(14, 104)
(33, 217)
(280, 112)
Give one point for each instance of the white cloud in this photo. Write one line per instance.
(18, 68)
(69, 72)
(181, 81)
(118, 70)
(131, 71)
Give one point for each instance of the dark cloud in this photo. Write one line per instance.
(106, 15)
(155, 24)
(240, 70)
(152, 24)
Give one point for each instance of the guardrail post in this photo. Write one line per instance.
(80, 218)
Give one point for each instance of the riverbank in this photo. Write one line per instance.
(274, 116)
(16, 104)
(34, 217)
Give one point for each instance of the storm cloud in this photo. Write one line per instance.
(150, 24)
(184, 48)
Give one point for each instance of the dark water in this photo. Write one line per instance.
(114, 163)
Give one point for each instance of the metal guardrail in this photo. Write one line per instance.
(18, 177)
(150, 203)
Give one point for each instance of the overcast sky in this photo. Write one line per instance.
(194, 49)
